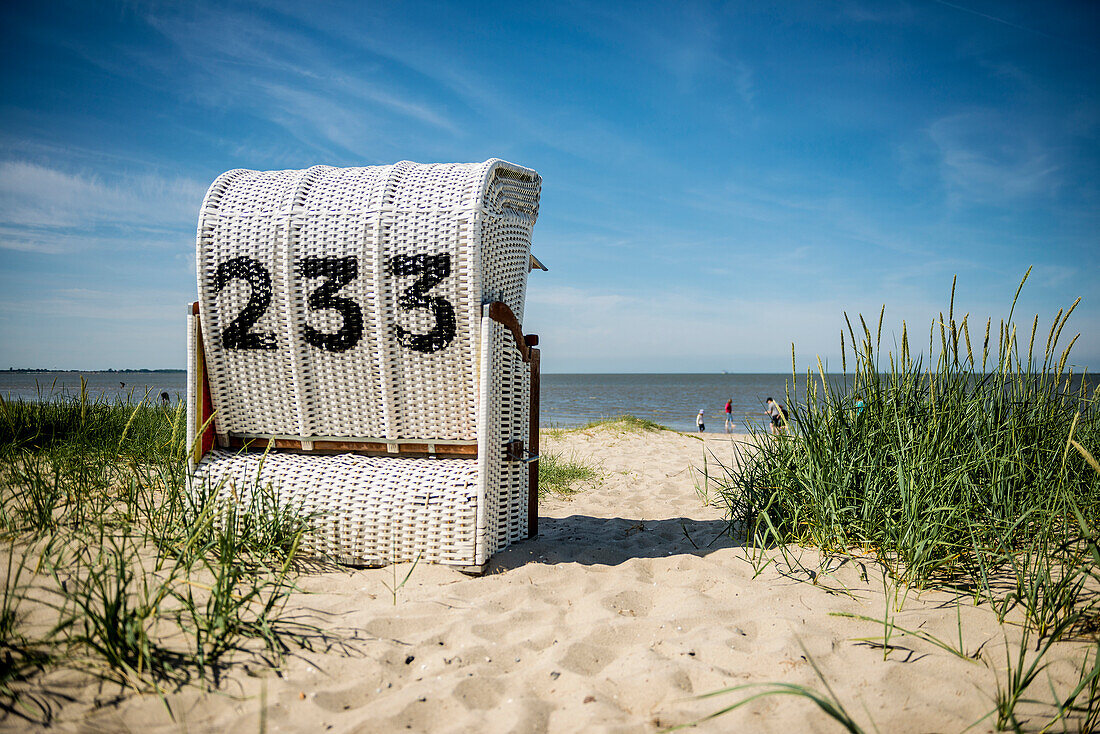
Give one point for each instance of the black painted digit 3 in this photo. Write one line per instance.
(237, 334)
(431, 269)
(340, 271)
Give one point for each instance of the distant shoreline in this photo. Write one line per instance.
(30, 371)
(34, 371)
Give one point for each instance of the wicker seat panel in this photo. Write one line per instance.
(366, 510)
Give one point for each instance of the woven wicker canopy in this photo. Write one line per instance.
(347, 301)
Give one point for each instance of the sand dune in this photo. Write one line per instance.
(630, 603)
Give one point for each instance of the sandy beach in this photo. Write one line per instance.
(631, 603)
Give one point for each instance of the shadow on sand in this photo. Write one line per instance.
(613, 540)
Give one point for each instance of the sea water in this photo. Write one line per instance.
(111, 386)
(670, 399)
(567, 400)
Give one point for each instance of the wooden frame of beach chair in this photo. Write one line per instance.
(357, 351)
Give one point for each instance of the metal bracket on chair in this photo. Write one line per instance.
(514, 451)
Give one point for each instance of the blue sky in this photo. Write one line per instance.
(720, 180)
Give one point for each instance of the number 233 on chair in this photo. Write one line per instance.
(357, 351)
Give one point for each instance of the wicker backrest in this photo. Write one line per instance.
(348, 302)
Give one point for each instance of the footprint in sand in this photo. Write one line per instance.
(390, 628)
(479, 693)
(523, 620)
(629, 603)
(615, 636)
(586, 659)
(348, 699)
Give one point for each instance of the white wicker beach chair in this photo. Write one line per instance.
(357, 342)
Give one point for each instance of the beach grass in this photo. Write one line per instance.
(625, 423)
(113, 566)
(564, 476)
(971, 469)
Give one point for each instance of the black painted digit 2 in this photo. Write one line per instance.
(340, 271)
(237, 334)
(431, 269)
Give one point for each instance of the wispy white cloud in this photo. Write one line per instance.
(678, 331)
(49, 210)
(131, 304)
(290, 77)
(1053, 276)
(56, 241)
(886, 13)
(996, 19)
(986, 157)
(578, 299)
(685, 48)
(743, 82)
(40, 196)
(310, 116)
(829, 210)
(687, 331)
(682, 39)
(93, 328)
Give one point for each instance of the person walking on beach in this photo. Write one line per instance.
(729, 415)
(778, 415)
(699, 422)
